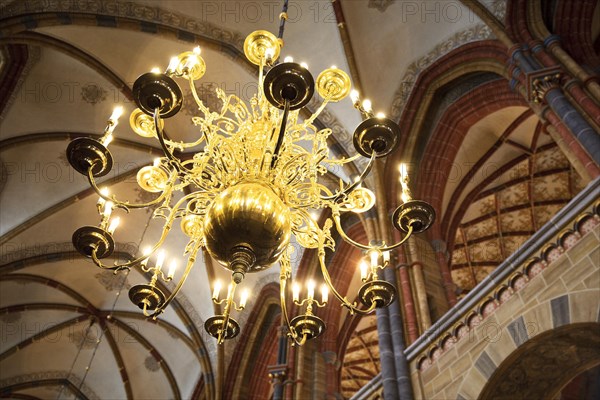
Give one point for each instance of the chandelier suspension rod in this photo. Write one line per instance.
(281, 134)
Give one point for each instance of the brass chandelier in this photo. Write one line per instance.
(250, 187)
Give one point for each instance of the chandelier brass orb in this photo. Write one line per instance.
(248, 217)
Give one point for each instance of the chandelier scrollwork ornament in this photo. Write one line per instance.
(249, 189)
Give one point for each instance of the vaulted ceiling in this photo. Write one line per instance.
(68, 329)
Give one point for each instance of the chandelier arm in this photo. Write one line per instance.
(165, 232)
(188, 268)
(400, 243)
(99, 264)
(161, 139)
(343, 160)
(319, 110)
(338, 226)
(126, 204)
(357, 182)
(286, 111)
(352, 307)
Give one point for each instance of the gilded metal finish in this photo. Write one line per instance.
(416, 213)
(333, 84)
(190, 65)
(380, 293)
(310, 326)
(248, 214)
(143, 124)
(257, 43)
(192, 225)
(214, 325)
(375, 134)
(146, 297)
(360, 200)
(84, 153)
(152, 179)
(151, 91)
(250, 180)
(90, 239)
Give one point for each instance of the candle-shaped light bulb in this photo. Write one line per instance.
(108, 206)
(304, 65)
(269, 53)
(296, 292)
(364, 270)
(386, 256)
(367, 105)
(374, 254)
(156, 162)
(197, 50)
(101, 201)
(355, 96)
(288, 59)
(310, 288)
(216, 290)
(146, 253)
(117, 112)
(324, 294)
(155, 70)
(380, 115)
(243, 298)
(160, 259)
(106, 140)
(172, 268)
(113, 225)
(173, 63)
(333, 67)
(403, 172)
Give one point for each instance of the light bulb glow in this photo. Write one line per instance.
(374, 254)
(106, 140)
(310, 288)
(197, 50)
(367, 105)
(269, 53)
(364, 270)
(296, 292)
(108, 206)
(113, 225)
(386, 256)
(117, 112)
(101, 201)
(380, 115)
(324, 294)
(216, 290)
(173, 64)
(146, 253)
(156, 162)
(288, 59)
(155, 70)
(172, 268)
(160, 259)
(355, 96)
(403, 171)
(243, 298)
(304, 65)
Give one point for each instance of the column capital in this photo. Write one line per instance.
(540, 82)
